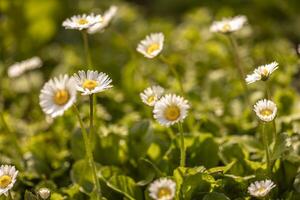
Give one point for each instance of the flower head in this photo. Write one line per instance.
(91, 82)
(170, 109)
(266, 110)
(107, 17)
(229, 25)
(152, 45)
(57, 95)
(262, 73)
(19, 68)
(82, 22)
(151, 95)
(44, 193)
(261, 188)
(162, 189)
(8, 177)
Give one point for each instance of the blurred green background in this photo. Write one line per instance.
(204, 59)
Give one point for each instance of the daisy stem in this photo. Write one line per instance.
(238, 64)
(268, 93)
(182, 147)
(88, 152)
(91, 97)
(173, 71)
(267, 149)
(86, 48)
(9, 196)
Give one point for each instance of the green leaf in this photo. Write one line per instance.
(126, 186)
(280, 146)
(204, 151)
(140, 138)
(81, 174)
(215, 196)
(29, 196)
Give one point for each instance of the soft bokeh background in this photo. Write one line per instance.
(219, 130)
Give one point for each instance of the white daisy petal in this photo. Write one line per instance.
(91, 82)
(229, 25)
(261, 188)
(82, 22)
(266, 110)
(151, 95)
(170, 109)
(262, 73)
(57, 95)
(162, 189)
(20, 68)
(106, 20)
(152, 45)
(8, 177)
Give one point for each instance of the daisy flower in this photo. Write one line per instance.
(91, 82)
(82, 22)
(20, 68)
(106, 19)
(152, 45)
(57, 95)
(266, 110)
(262, 73)
(261, 188)
(229, 25)
(8, 177)
(44, 193)
(170, 109)
(162, 189)
(151, 94)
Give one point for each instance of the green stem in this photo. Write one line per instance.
(86, 49)
(9, 196)
(238, 64)
(88, 152)
(267, 149)
(91, 97)
(182, 147)
(268, 93)
(173, 71)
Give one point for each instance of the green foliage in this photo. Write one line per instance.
(224, 148)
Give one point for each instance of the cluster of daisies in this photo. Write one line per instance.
(168, 109)
(91, 23)
(59, 93)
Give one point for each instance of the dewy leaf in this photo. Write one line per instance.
(215, 196)
(126, 186)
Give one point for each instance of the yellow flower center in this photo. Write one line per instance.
(152, 47)
(151, 99)
(266, 112)
(5, 180)
(262, 189)
(90, 84)
(163, 192)
(61, 97)
(82, 21)
(172, 113)
(264, 74)
(226, 27)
